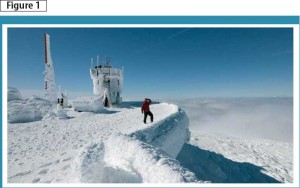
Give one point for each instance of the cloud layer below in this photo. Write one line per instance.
(263, 118)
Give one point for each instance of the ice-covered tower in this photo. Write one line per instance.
(108, 83)
(50, 91)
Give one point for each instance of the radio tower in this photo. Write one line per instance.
(50, 91)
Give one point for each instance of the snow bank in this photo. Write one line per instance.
(57, 146)
(43, 105)
(22, 111)
(58, 113)
(123, 159)
(33, 109)
(88, 104)
(13, 94)
(169, 134)
(144, 156)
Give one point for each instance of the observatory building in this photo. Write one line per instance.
(108, 83)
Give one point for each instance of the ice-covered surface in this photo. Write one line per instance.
(165, 133)
(50, 89)
(109, 146)
(123, 159)
(88, 104)
(13, 94)
(33, 109)
(51, 150)
(107, 82)
(60, 112)
(226, 159)
(20, 111)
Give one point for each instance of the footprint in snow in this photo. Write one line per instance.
(64, 153)
(35, 180)
(21, 174)
(44, 171)
(48, 164)
(65, 167)
(67, 159)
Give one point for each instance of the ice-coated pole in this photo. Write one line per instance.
(45, 47)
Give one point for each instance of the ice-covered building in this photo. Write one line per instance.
(108, 83)
(62, 98)
(50, 90)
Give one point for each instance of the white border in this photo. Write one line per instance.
(295, 101)
(296, 105)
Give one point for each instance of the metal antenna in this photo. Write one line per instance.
(91, 62)
(97, 60)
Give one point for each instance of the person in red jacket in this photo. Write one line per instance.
(146, 109)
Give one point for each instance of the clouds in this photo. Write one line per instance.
(264, 118)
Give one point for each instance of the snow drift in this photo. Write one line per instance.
(115, 146)
(169, 134)
(146, 155)
(13, 94)
(26, 110)
(123, 159)
(20, 111)
(88, 104)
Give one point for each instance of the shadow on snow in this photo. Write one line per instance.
(210, 166)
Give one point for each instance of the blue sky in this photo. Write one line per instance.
(160, 62)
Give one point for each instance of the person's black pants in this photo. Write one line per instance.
(146, 114)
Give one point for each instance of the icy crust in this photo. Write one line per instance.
(123, 159)
(13, 94)
(20, 112)
(169, 134)
(88, 104)
(49, 73)
(33, 109)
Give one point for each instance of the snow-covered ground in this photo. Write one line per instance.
(115, 146)
(240, 140)
(226, 159)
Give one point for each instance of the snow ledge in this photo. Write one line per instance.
(145, 156)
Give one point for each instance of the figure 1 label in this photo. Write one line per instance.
(23, 6)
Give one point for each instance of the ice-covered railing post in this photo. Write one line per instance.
(62, 98)
(50, 91)
(107, 82)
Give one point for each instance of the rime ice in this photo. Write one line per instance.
(108, 83)
(50, 91)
